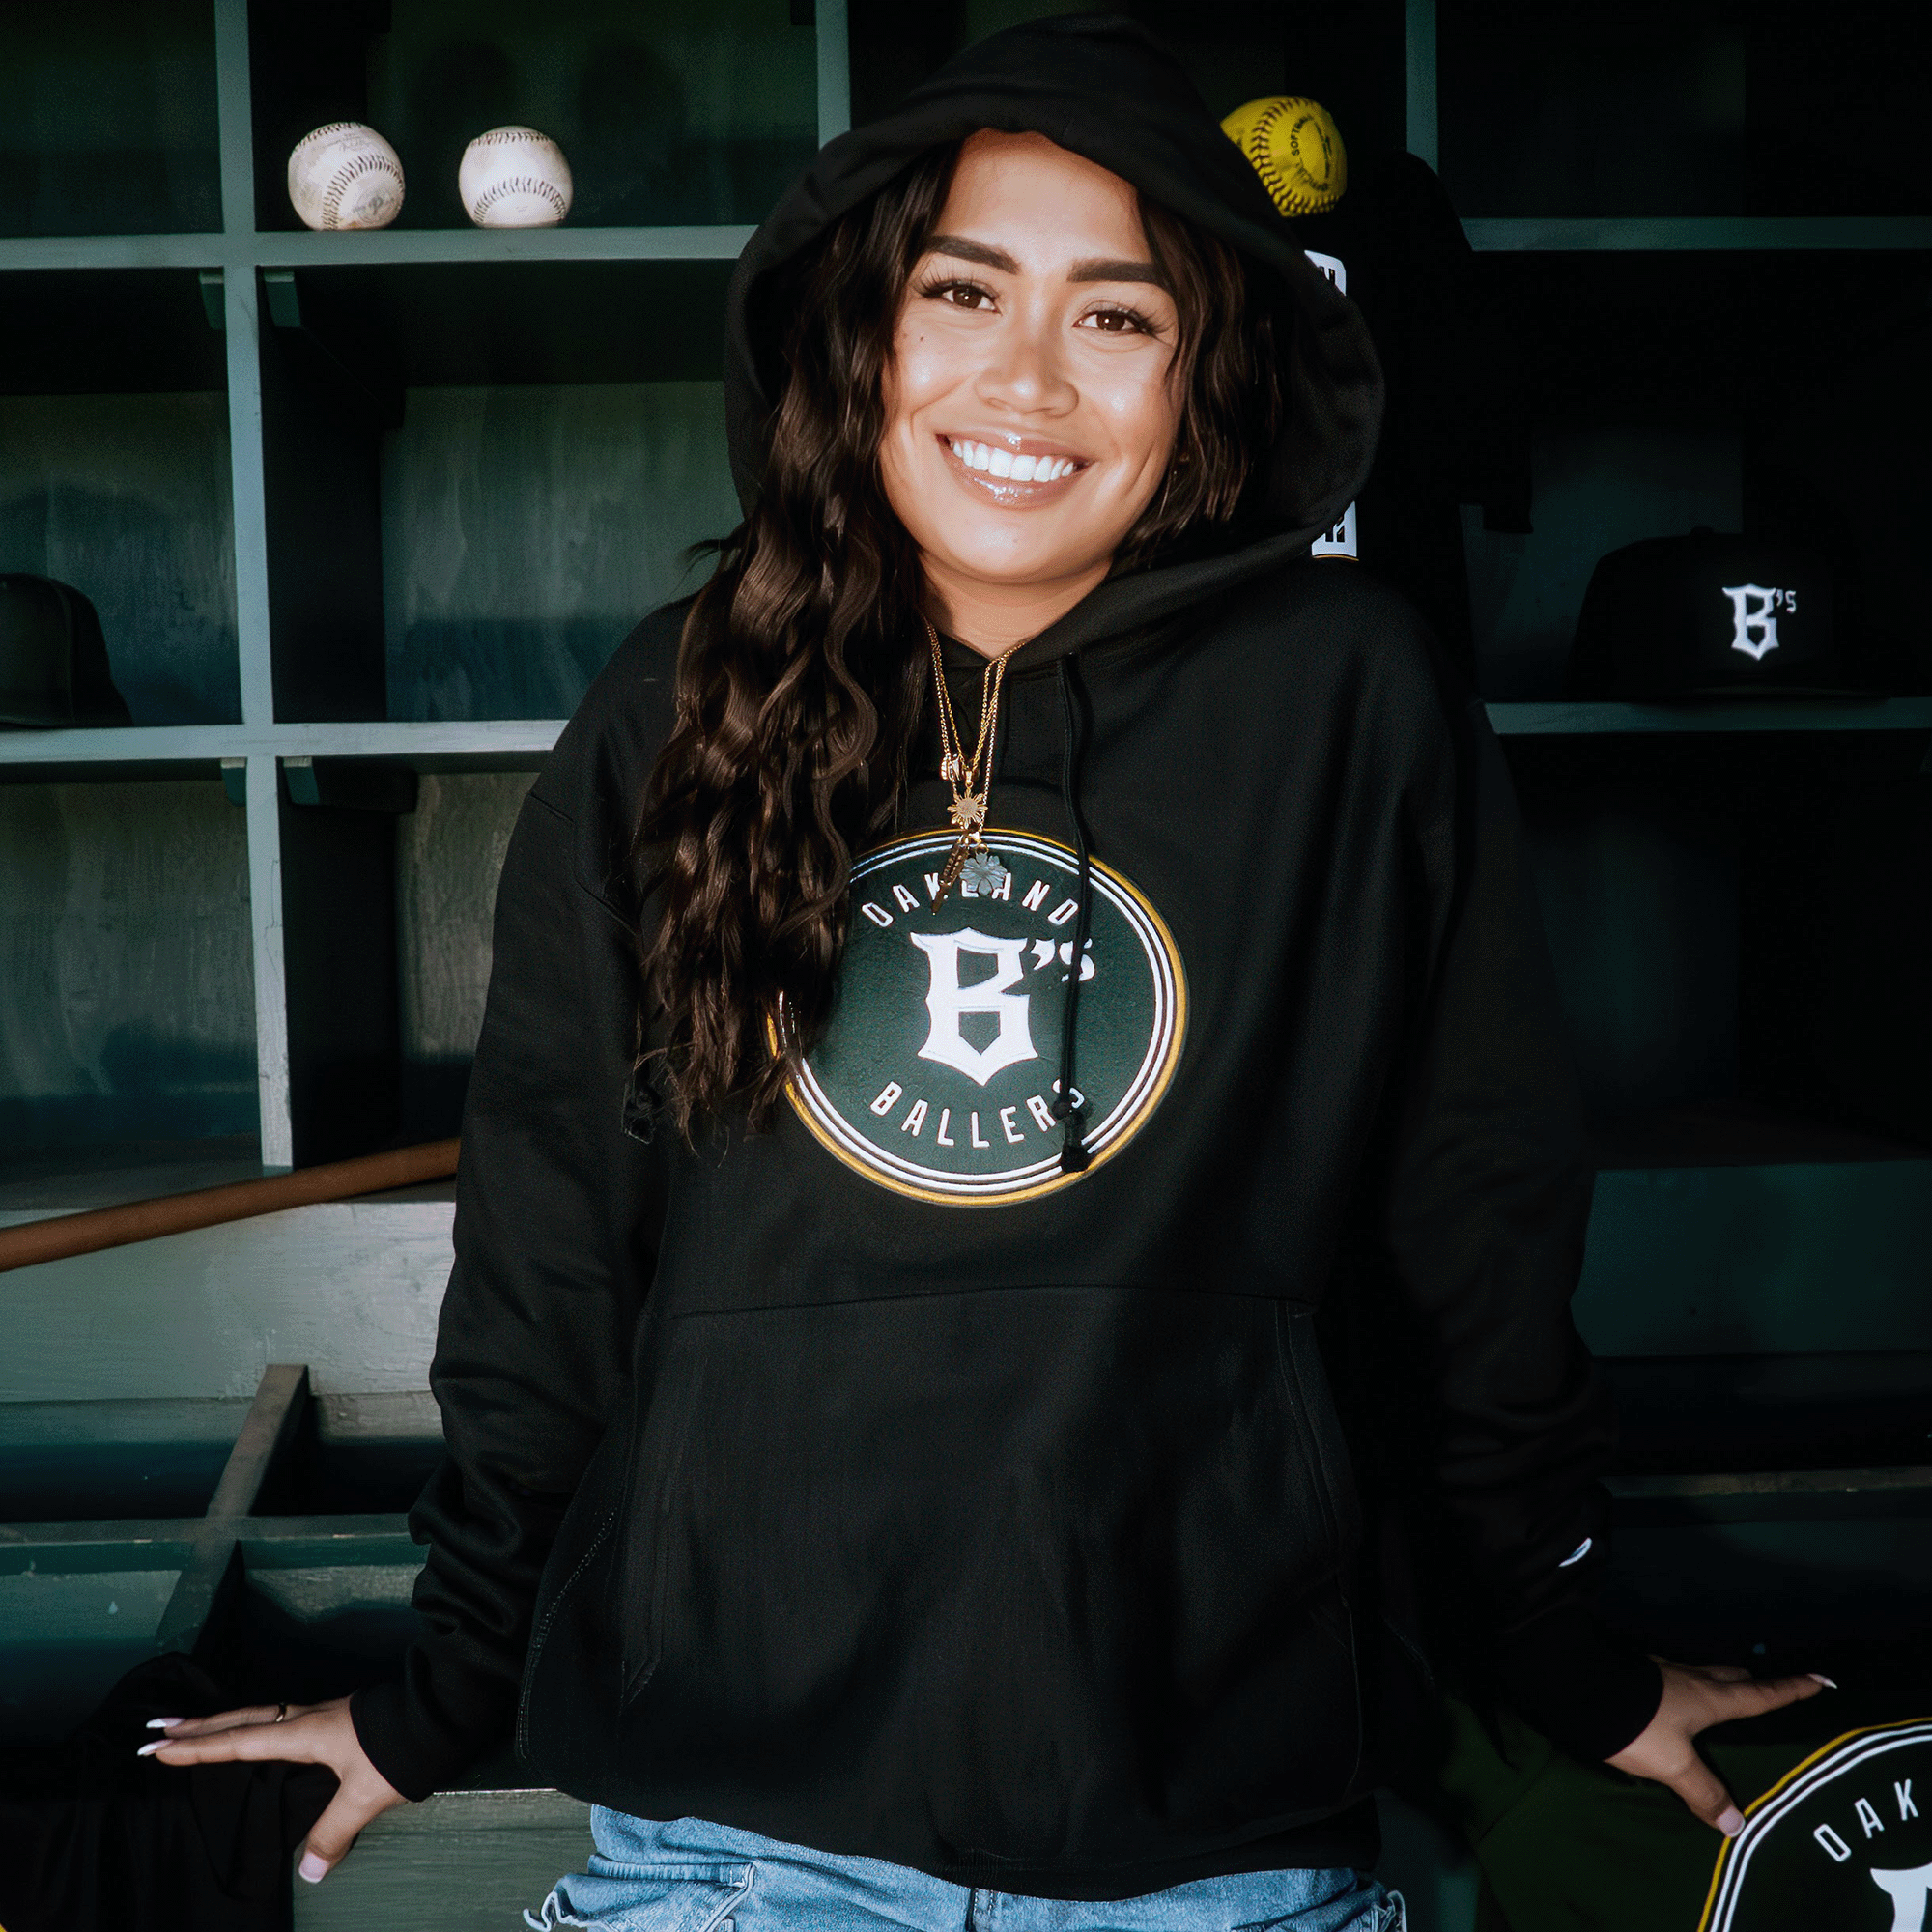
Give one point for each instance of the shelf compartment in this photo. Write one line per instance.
(1609, 109)
(110, 112)
(75, 1461)
(116, 477)
(1761, 1260)
(479, 478)
(1663, 394)
(127, 1003)
(1729, 937)
(666, 114)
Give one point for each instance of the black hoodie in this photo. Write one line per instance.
(933, 1478)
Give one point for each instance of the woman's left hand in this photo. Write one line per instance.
(1665, 1750)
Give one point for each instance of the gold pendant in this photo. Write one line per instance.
(969, 811)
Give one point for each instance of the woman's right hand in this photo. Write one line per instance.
(310, 1734)
(1694, 1699)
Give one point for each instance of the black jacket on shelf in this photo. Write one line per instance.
(886, 1483)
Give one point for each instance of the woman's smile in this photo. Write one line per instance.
(1017, 472)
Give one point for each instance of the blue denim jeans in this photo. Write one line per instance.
(690, 1876)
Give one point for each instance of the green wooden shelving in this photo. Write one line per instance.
(291, 468)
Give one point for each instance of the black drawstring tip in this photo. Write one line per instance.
(1074, 1157)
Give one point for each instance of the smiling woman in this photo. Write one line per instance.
(895, 1462)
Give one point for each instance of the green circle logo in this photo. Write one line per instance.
(1839, 1841)
(939, 1070)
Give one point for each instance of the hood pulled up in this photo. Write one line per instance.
(1109, 90)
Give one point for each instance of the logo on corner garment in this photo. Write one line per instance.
(1840, 1843)
(938, 1072)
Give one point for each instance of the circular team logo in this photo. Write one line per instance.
(939, 1070)
(1840, 1843)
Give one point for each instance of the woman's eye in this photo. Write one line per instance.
(960, 295)
(1120, 322)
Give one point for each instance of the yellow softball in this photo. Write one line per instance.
(1296, 148)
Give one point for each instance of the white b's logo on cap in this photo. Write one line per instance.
(1754, 616)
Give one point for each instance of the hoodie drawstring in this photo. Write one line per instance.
(1073, 1154)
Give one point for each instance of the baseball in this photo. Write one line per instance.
(1296, 148)
(345, 176)
(514, 177)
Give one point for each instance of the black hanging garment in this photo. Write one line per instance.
(94, 1838)
(1456, 427)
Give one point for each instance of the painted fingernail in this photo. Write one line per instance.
(1731, 1821)
(1819, 1677)
(313, 1868)
(163, 1723)
(148, 1751)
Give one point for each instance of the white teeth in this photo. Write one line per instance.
(1020, 468)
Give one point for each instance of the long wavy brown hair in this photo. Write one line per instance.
(802, 675)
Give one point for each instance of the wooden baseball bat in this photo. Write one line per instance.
(59, 1235)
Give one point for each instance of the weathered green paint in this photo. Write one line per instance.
(351, 1289)
(461, 1859)
(126, 498)
(126, 1004)
(526, 530)
(450, 853)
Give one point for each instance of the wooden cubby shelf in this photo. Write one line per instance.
(364, 513)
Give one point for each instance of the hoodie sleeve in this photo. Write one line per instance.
(1485, 1217)
(558, 1213)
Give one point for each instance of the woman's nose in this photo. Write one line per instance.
(1025, 370)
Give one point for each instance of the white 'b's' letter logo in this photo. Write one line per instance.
(947, 999)
(1753, 617)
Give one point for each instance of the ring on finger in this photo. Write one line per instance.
(281, 1711)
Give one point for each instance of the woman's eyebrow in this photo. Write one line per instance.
(1098, 269)
(1116, 272)
(974, 251)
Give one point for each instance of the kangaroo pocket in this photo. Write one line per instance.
(1055, 1573)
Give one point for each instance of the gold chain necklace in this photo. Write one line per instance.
(971, 779)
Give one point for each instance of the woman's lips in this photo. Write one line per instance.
(1009, 475)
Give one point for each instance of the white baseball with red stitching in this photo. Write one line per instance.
(514, 177)
(345, 176)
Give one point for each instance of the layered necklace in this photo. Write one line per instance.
(971, 779)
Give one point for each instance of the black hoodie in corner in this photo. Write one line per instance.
(892, 1482)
